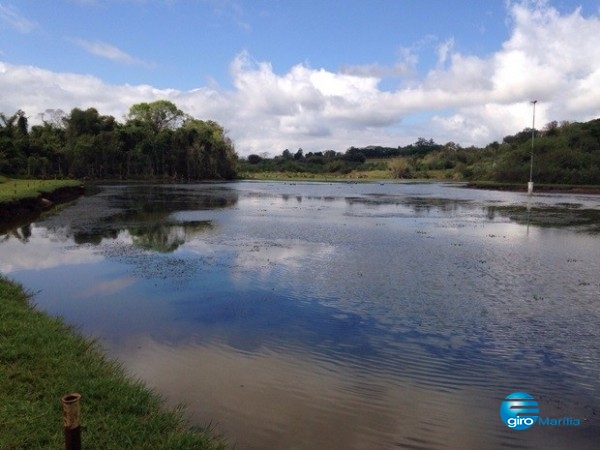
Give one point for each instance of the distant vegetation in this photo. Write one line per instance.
(157, 141)
(565, 153)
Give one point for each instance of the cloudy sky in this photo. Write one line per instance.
(313, 74)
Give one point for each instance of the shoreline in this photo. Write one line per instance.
(538, 188)
(14, 209)
(43, 359)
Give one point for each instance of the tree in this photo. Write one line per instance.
(254, 159)
(158, 140)
(49, 141)
(354, 154)
(54, 117)
(422, 142)
(159, 115)
(452, 146)
(551, 128)
(204, 150)
(22, 126)
(90, 139)
(81, 122)
(519, 138)
(14, 143)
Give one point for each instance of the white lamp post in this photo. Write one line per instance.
(530, 184)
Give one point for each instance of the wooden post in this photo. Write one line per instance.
(71, 421)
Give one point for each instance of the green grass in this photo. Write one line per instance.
(42, 359)
(16, 189)
(370, 175)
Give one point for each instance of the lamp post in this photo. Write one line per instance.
(530, 184)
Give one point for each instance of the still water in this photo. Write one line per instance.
(336, 316)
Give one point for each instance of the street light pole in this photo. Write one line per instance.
(530, 184)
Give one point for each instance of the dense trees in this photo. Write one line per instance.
(567, 153)
(157, 141)
(14, 146)
(327, 161)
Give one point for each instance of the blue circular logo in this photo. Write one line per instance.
(519, 411)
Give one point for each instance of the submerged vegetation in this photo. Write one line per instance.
(565, 153)
(42, 359)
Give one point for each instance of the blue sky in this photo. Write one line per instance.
(305, 73)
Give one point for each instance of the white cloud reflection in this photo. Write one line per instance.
(43, 251)
(108, 287)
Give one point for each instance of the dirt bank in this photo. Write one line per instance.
(15, 210)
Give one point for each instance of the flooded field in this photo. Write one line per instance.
(336, 316)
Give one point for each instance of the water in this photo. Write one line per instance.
(336, 316)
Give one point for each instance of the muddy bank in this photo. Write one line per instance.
(14, 211)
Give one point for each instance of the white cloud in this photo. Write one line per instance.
(463, 98)
(108, 51)
(11, 16)
(233, 10)
(376, 70)
(443, 50)
(104, 288)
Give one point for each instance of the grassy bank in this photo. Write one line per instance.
(373, 175)
(42, 359)
(429, 176)
(14, 189)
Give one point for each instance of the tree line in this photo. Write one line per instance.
(564, 153)
(157, 141)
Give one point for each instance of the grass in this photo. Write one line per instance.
(371, 175)
(16, 189)
(43, 359)
(426, 175)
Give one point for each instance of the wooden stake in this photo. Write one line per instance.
(72, 421)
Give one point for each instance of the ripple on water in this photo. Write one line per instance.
(344, 316)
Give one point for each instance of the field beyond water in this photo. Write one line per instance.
(42, 359)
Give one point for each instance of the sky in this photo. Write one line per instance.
(310, 74)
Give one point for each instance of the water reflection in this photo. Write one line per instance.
(22, 233)
(143, 211)
(335, 316)
(167, 238)
(550, 216)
